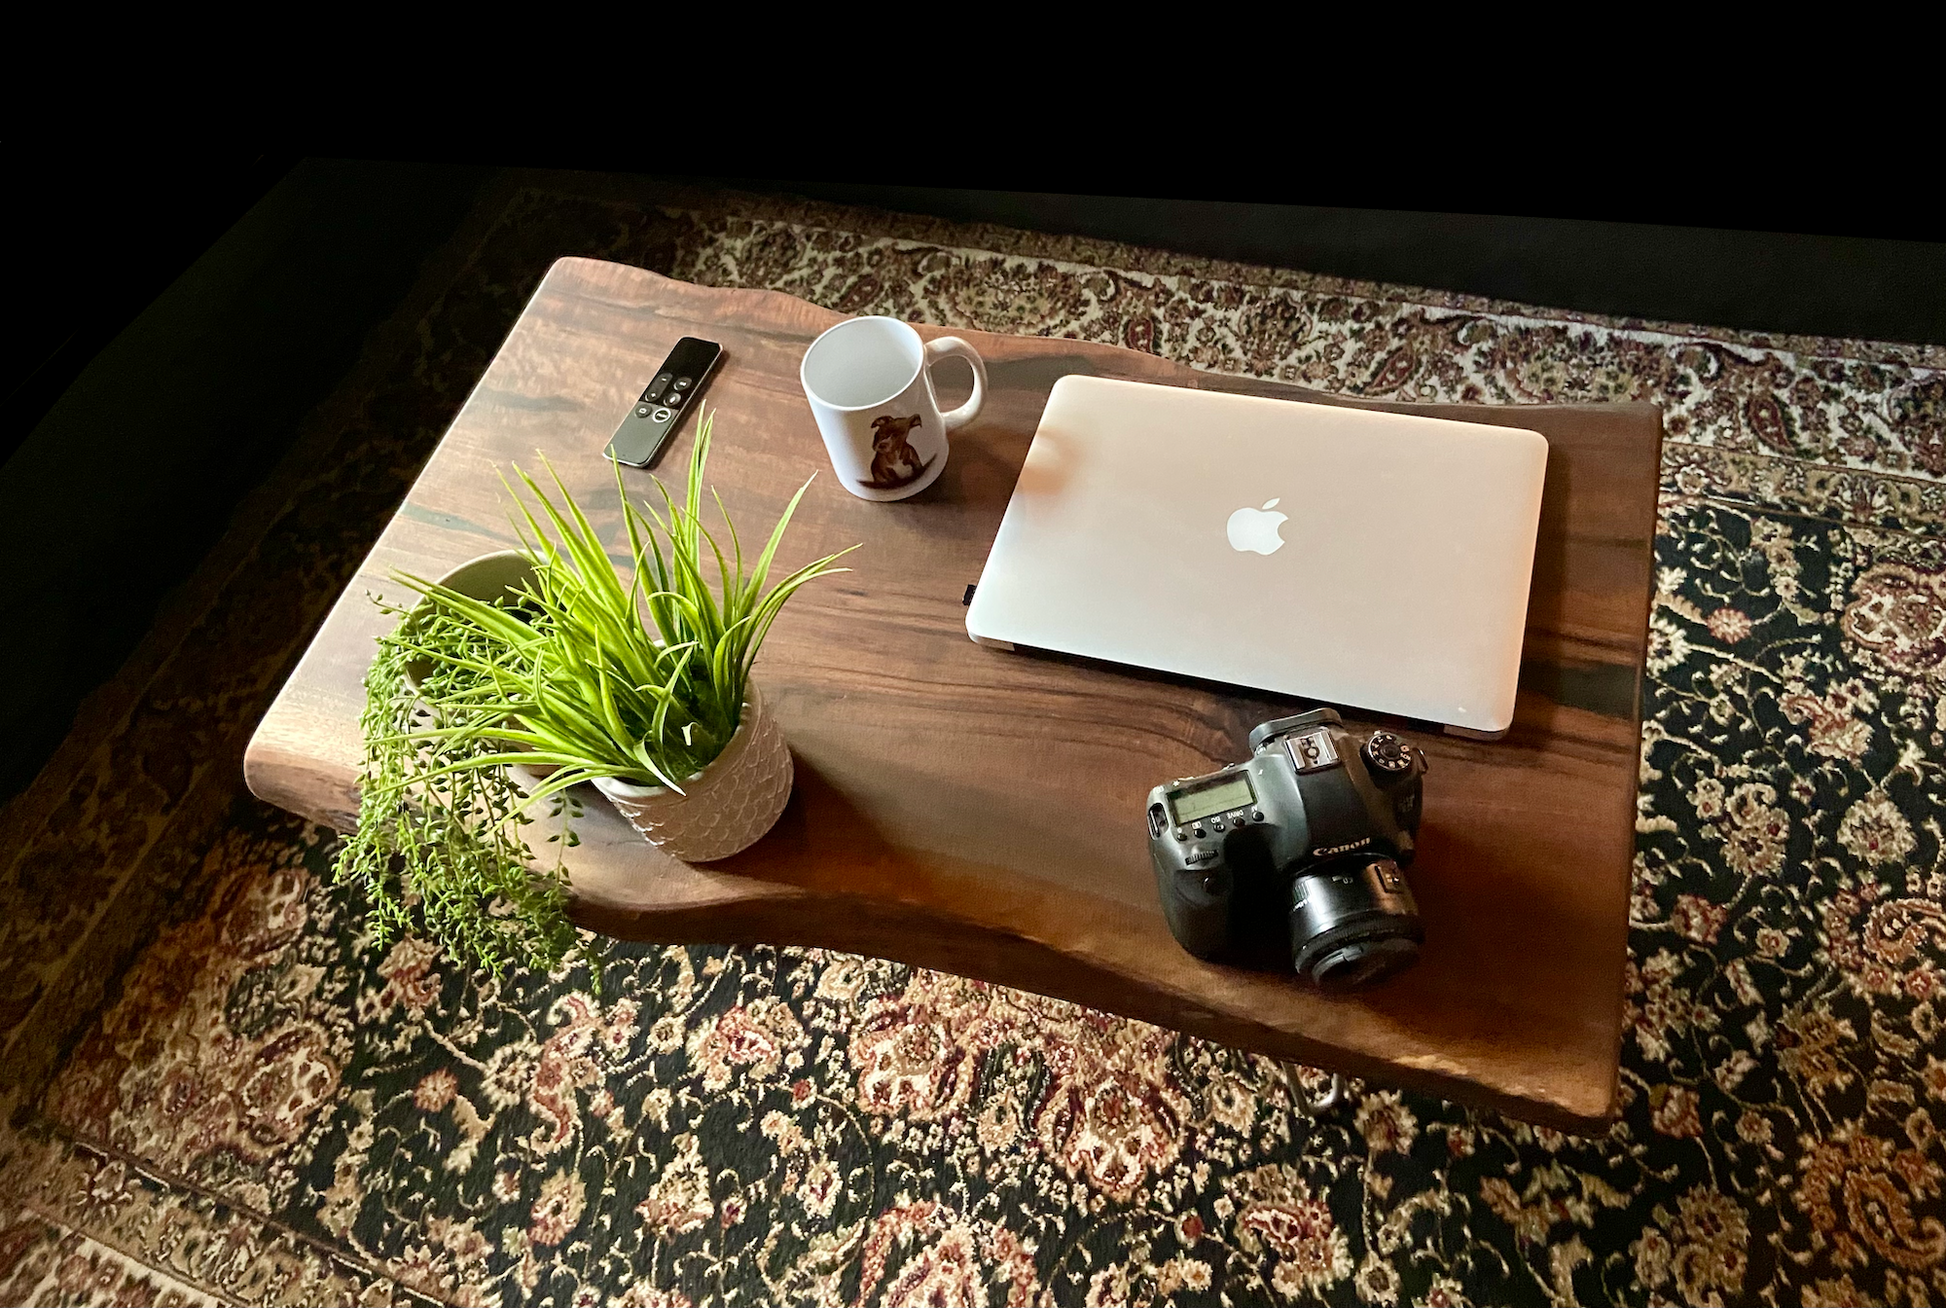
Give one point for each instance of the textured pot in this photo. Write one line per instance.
(726, 807)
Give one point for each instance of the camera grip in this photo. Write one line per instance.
(1195, 895)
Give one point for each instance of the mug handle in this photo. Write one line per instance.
(946, 347)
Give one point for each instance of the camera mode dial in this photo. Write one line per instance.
(1386, 753)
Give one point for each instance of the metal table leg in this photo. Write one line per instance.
(1321, 1105)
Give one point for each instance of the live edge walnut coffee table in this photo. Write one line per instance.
(981, 812)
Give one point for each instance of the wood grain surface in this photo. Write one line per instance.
(980, 812)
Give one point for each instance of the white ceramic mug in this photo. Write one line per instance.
(869, 381)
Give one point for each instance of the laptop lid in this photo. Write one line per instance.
(1374, 560)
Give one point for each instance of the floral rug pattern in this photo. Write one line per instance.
(270, 1110)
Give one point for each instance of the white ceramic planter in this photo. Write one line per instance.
(725, 808)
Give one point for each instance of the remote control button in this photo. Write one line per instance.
(684, 383)
(1201, 832)
(673, 399)
(642, 410)
(1182, 834)
(661, 380)
(660, 415)
(1209, 883)
(1216, 824)
(1257, 816)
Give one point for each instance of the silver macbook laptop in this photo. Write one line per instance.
(1372, 560)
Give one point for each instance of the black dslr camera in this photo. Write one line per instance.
(1300, 849)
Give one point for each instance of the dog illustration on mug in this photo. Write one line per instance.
(894, 462)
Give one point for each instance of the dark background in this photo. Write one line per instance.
(184, 312)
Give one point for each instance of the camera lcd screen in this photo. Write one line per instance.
(1232, 791)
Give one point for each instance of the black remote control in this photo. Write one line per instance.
(654, 418)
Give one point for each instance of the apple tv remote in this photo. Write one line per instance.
(653, 418)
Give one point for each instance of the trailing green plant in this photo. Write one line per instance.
(581, 672)
(442, 851)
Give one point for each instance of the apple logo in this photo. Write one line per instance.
(1256, 529)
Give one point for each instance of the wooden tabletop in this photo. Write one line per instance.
(981, 812)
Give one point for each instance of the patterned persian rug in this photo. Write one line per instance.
(265, 1108)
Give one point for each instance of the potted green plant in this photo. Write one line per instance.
(523, 674)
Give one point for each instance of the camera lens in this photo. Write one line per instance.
(1363, 962)
(1353, 923)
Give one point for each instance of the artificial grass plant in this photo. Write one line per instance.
(642, 680)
